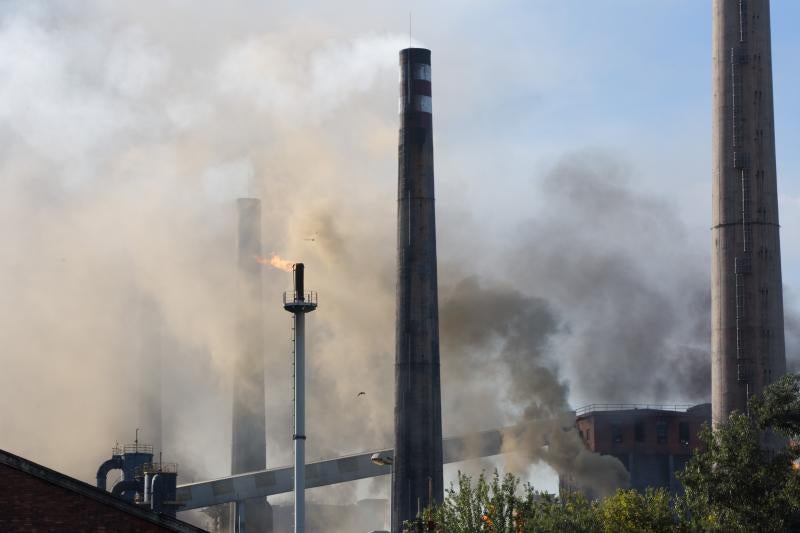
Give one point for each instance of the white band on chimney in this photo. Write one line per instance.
(421, 103)
(421, 71)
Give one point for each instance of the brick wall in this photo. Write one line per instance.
(28, 503)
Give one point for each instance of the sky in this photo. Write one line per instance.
(572, 144)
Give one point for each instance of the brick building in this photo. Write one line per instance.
(653, 442)
(35, 498)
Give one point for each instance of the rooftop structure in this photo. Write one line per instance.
(37, 498)
(652, 441)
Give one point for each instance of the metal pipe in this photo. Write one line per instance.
(299, 281)
(157, 494)
(241, 517)
(115, 463)
(148, 487)
(299, 305)
(299, 423)
(124, 486)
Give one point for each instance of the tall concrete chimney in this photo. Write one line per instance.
(248, 443)
(417, 471)
(747, 342)
(149, 336)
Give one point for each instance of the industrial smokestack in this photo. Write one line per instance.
(417, 472)
(248, 443)
(747, 342)
(150, 353)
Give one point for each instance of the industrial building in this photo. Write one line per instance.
(652, 441)
(36, 498)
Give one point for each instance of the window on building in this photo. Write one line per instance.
(638, 430)
(616, 434)
(683, 433)
(661, 431)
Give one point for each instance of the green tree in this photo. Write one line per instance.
(501, 505)
(778, 407)
(485, 506)
(629, 511)
(735, 483)
(550, 514)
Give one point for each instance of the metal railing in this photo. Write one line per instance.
(132, 448)
(309, 297)
(676, 407)
(156, 468)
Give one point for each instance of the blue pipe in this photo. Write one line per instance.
(124, 486)
(115, 463)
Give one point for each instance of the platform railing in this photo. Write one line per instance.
(309, 297)
(132, 448)
(595, 407)
(156, 468)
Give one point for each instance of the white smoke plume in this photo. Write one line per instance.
(125, 145)
(127, 131)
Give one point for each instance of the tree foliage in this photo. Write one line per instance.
(733, 484)
(778, 407)
(629, 511)
(744, 478)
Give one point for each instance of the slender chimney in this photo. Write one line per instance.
(248, 443)
(150, 339)
(747, 342)
(417, 471)
(299, 303)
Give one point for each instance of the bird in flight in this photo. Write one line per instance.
(362, 393)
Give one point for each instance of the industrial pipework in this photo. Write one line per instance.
(127, 458)
(299, 303)
(160, 482)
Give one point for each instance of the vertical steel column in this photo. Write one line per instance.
(299, 423)
(299, 303)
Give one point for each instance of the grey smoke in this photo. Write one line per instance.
(118, 185)
(631, 286)
(512, 332)
(602, 285)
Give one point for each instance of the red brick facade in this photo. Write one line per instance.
(36, 499)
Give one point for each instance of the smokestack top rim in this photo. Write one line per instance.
(415, 55)
(246, 200)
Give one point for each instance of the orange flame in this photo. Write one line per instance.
(276, 261)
